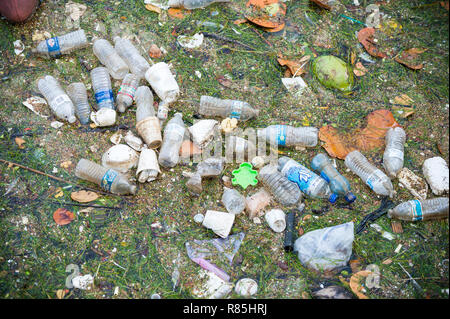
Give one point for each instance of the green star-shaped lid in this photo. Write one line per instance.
(244, 175)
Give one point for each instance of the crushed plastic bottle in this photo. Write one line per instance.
(339, 185)
(309, 182)
(210, 167)
(284, 191)
(64, 44)
(378, 181)
(101, 84)
(109, 57)
(192, 4)
(127, 91)
(147, 124)
(233, 201)
(109, 179)
(128, 52)
(60, 103)
(414, 210)
(163, 111)
(393, 154)
(286, 135)
(78, 94)
(211, 106)
(173, 137)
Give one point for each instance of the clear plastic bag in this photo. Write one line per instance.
(327, 248)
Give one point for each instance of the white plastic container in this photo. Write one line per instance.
(163, 82)
(276, 219)
(120, 157)
(148, 167)
(436, 172)
(219, 222)
(104, 117)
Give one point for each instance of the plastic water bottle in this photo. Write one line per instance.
(339, 185)
(64, 44)
(211, 106)
(127, 90)
(413, 210)
(109, 179)
(101, 84)
(393, 154)
(60, 103)
(144, 103)
(128, 52)
(233, 201)
(309, 182)
(173, 137)
(284, 191)
(109, 57)
(192, 4)
(286, 135)
(378, 181)
(78, 94)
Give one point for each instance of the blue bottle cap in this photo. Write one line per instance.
(333, 198)
(349, 197)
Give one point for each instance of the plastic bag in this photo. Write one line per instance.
(327, 248)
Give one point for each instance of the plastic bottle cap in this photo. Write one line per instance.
(350, 197)
(333, 198)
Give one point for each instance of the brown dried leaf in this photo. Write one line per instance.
(266, 13)
(224, 81)
(20, 141)
(322, 3)
(365, 37)
(411, 58)
(402, 100)
(240, 21)
(335, 144)
(355, 286)
(372, 136)
(63, 217)
(84, 196)
(151, 7)
(359, 69)
(177, 13)
(294, 67)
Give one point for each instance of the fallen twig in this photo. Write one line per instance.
(56, 178)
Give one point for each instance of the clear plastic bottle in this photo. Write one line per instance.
(378, 181)
(173, 137)
(393, 153)
(286, 135)
(78, 94)
(163, 111)
(127, 91)
(339, 185)
(192, 4)
(128, 52)
(144, 103)
(101, 84)
(428, 209)
(233, 201)
(284, 191)
(60, 103)
(109, 57)
(63, 44)
(109, 179)
(309, 182)
(211, 106)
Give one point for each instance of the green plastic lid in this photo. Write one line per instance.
(244, 176)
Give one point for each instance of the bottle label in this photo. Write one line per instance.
(374, 177)
(108, 179)
(53, 47)
(101, 96)
(416, 210)
(236, 110)
(302, 176)
(281, 135)
(395, 153)
(127, 89)
(60, 99)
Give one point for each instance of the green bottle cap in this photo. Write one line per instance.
(244, 176)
